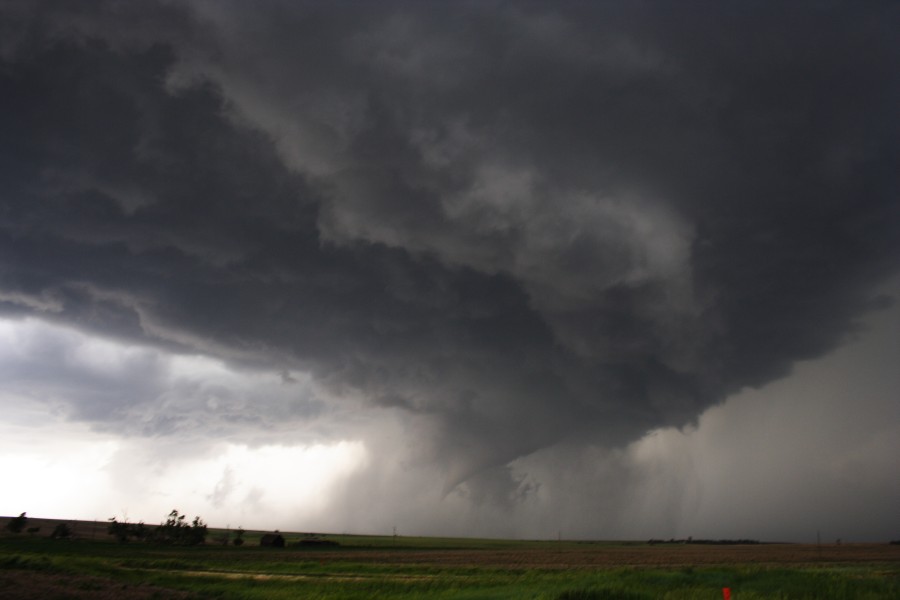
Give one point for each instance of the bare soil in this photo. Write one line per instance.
(40, 585)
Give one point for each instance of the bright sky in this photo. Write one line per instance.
(796, 444)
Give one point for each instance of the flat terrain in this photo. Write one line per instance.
(93, 566)
(574, 555)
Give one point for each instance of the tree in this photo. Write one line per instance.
(197, 533)
(121, 531)
(239, 537)
(176, 531)
(17, 524)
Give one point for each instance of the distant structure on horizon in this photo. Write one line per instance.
(273, 540)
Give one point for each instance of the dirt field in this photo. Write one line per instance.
(599, 556)
(30, 585)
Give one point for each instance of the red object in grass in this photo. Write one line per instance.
(726, 593)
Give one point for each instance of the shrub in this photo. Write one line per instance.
(121, 531)
(61, 532)
(17, 524)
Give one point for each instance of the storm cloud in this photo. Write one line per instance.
(520, 228)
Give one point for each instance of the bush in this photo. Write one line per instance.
(17, 524)
(61, 532)
(121, 531)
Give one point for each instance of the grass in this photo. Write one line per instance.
(434, 568)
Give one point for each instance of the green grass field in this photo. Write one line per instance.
(385, 567)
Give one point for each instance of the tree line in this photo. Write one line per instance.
(175, 531)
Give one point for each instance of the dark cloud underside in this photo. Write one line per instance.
(519, 223)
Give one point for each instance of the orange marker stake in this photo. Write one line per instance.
(726, 593)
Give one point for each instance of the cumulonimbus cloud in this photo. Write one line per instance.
(518, 225)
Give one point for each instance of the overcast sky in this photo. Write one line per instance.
(524, 269)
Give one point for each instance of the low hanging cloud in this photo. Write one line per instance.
(517, 227)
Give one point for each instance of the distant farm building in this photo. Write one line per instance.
(314, 540)
(272, 540)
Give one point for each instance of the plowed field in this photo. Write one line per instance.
(598, 556)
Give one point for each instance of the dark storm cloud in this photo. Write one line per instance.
(519, 223)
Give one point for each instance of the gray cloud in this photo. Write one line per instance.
(139, 391)
(521, 226)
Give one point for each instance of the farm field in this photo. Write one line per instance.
(34, 566)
